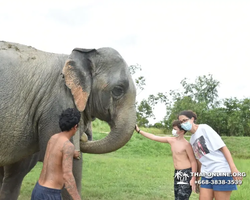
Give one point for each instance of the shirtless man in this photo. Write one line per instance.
(183, 157)
(58, 161)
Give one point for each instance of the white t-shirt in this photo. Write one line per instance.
(206, 144)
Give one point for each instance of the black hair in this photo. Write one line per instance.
(189, 114)
(178, 124)
(69, 118)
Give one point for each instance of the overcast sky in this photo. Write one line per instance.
(171, 40)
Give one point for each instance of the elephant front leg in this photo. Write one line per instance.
(13, 176)
(77, 171)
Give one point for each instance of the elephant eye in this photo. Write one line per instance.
(117, 91)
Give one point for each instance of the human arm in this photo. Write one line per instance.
(198, 177)
(230, 161)
(198, 168)
(67, 163)
(193, 162)
(152, 136)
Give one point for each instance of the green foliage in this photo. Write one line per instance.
(100, 126)
(238, 116)
(157, 131)
(231, 119)
(158, 125)
(183, 104)
(216, 118)
(198, 96)
(203, 90)
(238, 146)
(139, 80)
(141, 146)
(144, 111)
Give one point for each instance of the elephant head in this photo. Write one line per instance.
(102, 88)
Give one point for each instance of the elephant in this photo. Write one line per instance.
(36, 86)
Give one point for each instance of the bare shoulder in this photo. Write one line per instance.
(171, 139)
(67, 143)
(187, 144)
(52, 141)
(54, 137)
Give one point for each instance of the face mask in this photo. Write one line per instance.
(174, 132)
(187, 126)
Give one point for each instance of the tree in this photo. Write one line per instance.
(216, 118)
(144, 109)
(238, 116)
(245, 116)
(199, 96)
(139, 80)
(203, 90)
(184, 103)
(231, 119)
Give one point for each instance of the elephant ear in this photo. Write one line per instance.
(77, 75)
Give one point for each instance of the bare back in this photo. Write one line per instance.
(58, 158)
(179, 153)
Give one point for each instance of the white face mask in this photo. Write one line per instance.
(174, 132)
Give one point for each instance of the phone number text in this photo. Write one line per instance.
(219, 182)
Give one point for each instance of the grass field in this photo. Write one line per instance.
(141, 170)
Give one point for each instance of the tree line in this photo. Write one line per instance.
(229, 116)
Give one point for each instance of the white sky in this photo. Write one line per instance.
(171, 40)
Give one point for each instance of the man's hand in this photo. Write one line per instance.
(77, 155)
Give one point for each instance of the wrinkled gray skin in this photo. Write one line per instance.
(37, 86)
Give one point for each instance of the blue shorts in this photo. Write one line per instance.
(219, 183)
(44, 193)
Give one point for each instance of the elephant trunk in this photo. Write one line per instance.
(122, 128)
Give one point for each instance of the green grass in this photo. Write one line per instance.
(141, 170)
(238, 146)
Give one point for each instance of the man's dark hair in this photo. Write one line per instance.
(69, 118)
(189, 114)
(178, 124)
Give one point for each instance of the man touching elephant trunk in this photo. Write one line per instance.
(84, 137)
(57, 164)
